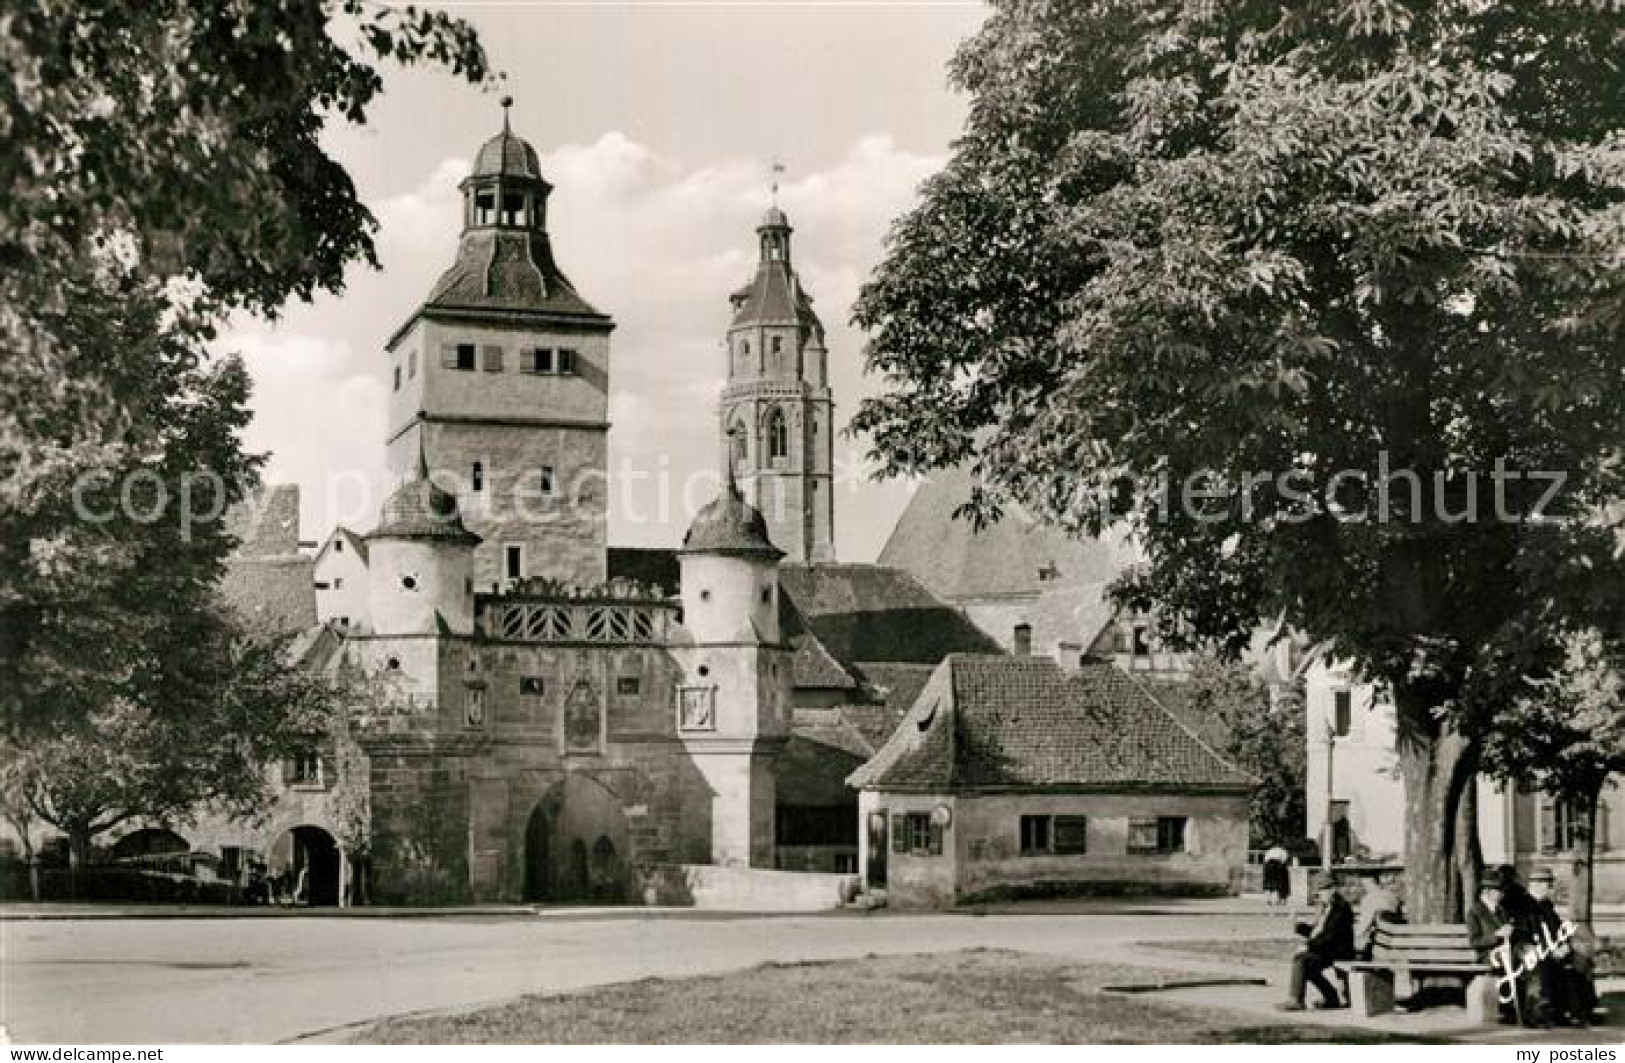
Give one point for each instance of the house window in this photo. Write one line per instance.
(629, 686)
(915, 834)
(513, 561)
(539, 360)
(1035, 835)
(1562, 827)
(1342, 712)
(546, 479)
(412, 363)
(532, 686)
(1071, 835)
(305, 769)
(778, 344)
(397, 378)
(338, 583)
(1141, 644)
(567, 362)
(476, 476)
(460, 356)
(338, 546)
(1157, 836)
(778, 435)
(344, 621)
(491, 356)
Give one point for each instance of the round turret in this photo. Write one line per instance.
(730, 573)
(421, 563)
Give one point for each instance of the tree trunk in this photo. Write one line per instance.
(1585, 874)
(1469, 853)
(1436, 763)
(78, 856)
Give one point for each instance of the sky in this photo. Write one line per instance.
(658, 125)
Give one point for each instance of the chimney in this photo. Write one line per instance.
(1024, 640)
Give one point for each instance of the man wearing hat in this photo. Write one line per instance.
(1566, 992)
(1493, 933)
(1328, 939)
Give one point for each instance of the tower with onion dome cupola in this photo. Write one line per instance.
(776, 416)
(501, 377)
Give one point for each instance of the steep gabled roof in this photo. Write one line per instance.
(986, 722)
(1014, 556)
(273, 596)
(875, 613)
(266, 522)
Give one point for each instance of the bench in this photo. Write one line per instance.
(1420, 950)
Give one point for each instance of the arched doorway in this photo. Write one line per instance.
(576, 845)
(304, 863)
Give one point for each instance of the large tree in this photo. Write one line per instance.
(1182, 246)
(1565, 736)
(162, 167)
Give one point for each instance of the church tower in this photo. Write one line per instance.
(501, 380)
(777, 416)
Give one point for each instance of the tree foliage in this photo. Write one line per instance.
(1191, 244)
(1566, 737)
(1264, 737)
(161, 167)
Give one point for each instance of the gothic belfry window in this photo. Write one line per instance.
(778, 435)
(736, 445)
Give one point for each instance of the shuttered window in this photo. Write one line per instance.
(567, 362)
(491, 358)
(1071, 835)
(458, 356)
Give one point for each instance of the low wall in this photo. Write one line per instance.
(745, 889)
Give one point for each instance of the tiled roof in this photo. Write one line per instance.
(986, 722)
(730, 525)
(876, 613)
(1175, 696)
(266, 522)
(420, 509)
(813, 666)
(875, 722)
(813, 765)
(507, 271)
(1014, 556)
(1075, 614)
(896, 684)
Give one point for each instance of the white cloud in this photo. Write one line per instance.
(653, 242)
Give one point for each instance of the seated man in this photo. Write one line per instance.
(1379, 904)
(1328, 939)
(1566, 992)
(1491, 933)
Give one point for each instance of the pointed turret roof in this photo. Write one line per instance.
(774, 295)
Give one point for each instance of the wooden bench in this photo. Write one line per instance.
(1413, 951)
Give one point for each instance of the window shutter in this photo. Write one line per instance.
(936, 838)
(448, 355)
(290, 771)
(1548, 824)
(330, 769)
(1601, 841)
(491, 356)
(899, 834)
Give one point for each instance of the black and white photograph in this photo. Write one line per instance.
(812, 522)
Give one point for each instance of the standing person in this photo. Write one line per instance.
(1276, 877)
(1328, 939)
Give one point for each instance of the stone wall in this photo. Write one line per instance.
(746, 889)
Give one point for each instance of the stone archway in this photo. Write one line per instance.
(305, 863)
(576, 846)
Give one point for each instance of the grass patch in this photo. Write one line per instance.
(979, 997)
(1247, 950)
